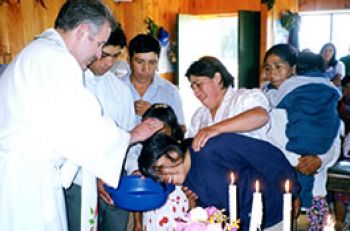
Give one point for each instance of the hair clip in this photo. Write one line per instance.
(161, 105)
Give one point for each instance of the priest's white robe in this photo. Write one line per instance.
(46, 118)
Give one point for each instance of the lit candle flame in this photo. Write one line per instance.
(232, 178)
(287, 186)
(257, 186)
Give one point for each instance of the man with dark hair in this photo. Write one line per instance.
(147, 87)
(121, 66)
(50, 124)
(116, 102)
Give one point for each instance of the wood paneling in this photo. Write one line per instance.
(223, 6)
(314, 5)
(21, 20)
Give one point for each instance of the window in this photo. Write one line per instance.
(200, 35)
(318, 28)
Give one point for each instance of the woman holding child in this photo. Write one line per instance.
(305, 122)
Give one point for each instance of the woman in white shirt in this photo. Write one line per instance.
(334, 69)
(225, 109)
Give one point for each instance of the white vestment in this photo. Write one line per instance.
(48, 117)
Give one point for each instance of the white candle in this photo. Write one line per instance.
(257, 210)
(232, 199)
(287, 207)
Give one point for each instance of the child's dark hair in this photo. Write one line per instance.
(157, 146)
(166, 114)
(309, 62)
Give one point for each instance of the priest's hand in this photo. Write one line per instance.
(308, 165)
(145, 129)
(103, 194)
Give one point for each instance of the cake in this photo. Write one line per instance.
(206, 219)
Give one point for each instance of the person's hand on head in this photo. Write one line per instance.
(103, 194)
(202, 137)
(141, 106)
(145, 129)
(309, 164)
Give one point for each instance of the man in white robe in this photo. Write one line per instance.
(48, 118)
(117, 103)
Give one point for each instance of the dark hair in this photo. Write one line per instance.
(285, 52)
(345, 81)
(117, 38)
(157, 146)
(75, 12)
(310, 62)
(143, 43)
(207, 66)
(166, 114)
(333, 61)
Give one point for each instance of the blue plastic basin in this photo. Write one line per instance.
(139, 194)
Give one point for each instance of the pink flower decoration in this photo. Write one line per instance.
(194, 226)
(211, 210)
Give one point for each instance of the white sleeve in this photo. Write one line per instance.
(346, 146)
(340, 68)
(196, 123)
(255, 98)
(131, 162)
(332, 155)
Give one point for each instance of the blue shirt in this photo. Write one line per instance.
(160, 91)
(2, 68)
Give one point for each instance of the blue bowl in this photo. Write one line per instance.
(139, 194)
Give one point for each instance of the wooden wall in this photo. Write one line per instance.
(21, 20)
